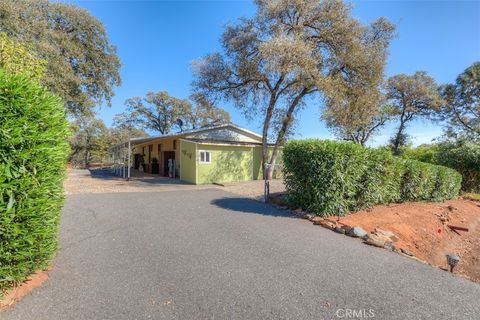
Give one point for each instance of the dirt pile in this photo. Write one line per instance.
(428, 230)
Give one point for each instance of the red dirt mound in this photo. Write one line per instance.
(423, 228)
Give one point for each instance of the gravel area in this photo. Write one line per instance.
(80, 181)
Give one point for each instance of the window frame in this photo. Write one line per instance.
(205, 157)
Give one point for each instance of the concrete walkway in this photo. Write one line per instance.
(208, 254)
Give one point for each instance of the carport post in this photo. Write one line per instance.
(113, 160)
(129, 158)
(123, 164)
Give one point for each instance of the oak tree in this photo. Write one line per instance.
(462, 103)
(411, 97)
(161, 112)
(82, 66)
(290, 51)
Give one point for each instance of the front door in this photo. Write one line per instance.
(167, 155)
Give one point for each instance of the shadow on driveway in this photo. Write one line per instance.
(250, 206)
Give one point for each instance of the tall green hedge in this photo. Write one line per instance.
(334, 178)
(33, 151)
(462, 154)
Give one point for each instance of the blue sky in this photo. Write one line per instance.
(157, 41)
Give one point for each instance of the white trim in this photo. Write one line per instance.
(209, 156)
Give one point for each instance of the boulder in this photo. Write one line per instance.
(346, 228)
(308, 216)
(376, 243)
(386, 234)
(339, 230)
(380, 241)
(377, 237)
(316, 219)
(325, 223)
(357, 232)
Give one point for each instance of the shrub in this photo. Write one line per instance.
(33, 150)
(462, 155)
(334, 178)
(16, 58)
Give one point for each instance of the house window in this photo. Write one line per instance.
(205, 157)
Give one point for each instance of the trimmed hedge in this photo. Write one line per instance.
(462, 155)
(33, 152)
(334, 178)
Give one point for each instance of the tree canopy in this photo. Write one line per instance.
(81, 64)
(92, 139)
(161, 112)
(411, 97)
(288, 52)
(462, 107)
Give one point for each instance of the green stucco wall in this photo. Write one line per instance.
(257, 163)
(187, 161)
(228, 164)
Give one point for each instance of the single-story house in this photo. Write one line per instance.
(219, 154)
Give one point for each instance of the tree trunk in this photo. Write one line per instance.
(398, 138)
(266, 127)
(287, 120)
(87, 156)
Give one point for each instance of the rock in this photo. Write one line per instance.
(316, 219)
(375, 243)
(357, 232)
(308, 216)
(324, 223)
(339, 230)
(386, 234)
(380, 238)
(389, 246)
(408, 253)
(346, 228)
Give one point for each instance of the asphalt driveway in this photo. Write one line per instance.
(207, 254)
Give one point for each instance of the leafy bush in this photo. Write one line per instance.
(334, 178)
(33, 150)
(16, 58)
(461, 155)
(424, 153)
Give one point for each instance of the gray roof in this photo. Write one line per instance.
(136, 141)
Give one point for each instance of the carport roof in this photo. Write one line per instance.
(136, 141)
